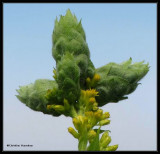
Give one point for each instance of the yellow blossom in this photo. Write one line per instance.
(92, 93)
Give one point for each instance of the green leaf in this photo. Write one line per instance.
(94, 146)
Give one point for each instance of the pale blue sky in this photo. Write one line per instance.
(114, 32)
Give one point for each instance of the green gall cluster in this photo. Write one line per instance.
(67, 77)
(69, 37)
(75, 72)
(78, 89)
(33, 95)
(119, 80)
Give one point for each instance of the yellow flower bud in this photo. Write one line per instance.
(79, 122)
(89, 113)
(85, 120)
(89, 126)
(104, 122)
(49, 107)
(91, 134)
(105, 115)
(80, 118)
(96, 77)
(105, 142)
(59, 108)
(100, 111)
(112, 148)
(73, 132)
(92, 100)
(88, 80)
(97, 115)
(95, 106)
(76, 123)
(104, 136)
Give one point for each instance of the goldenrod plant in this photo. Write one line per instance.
(79, 90)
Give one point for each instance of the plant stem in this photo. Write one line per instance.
(82, 145)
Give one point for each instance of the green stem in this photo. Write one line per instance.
(82, 145)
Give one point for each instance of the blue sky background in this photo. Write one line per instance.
(114, 32)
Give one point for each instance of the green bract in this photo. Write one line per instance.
(78, 89)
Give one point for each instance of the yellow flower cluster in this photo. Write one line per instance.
(89, 93)
(105, 141)
(88, 99)
(91, 116)
(92, 82)
(83, 128)
(88, 121)
(84, 124)
(97, 117)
